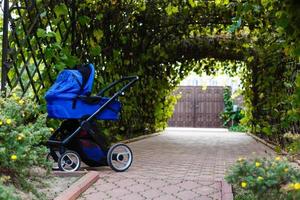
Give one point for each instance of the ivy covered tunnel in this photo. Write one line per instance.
(160, 41)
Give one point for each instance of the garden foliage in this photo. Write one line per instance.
(162, 41)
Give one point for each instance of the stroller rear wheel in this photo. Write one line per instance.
(69, 161)
(119, 157)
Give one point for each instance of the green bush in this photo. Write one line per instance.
(238, 128)
(6, 193)
(231, 118)
(265, 178)
(22, 130)
(293, 146)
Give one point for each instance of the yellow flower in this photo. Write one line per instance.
(13, 157)
(286, 169)
(297, 186)
(1, 122)
(21, 102)
(51, 129)
(244, 184)
(257, 164)
(20, 137)
(278, 158)
(241, 159)
(260, 178)
(8, 121)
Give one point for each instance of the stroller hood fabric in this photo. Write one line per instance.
(70, 83)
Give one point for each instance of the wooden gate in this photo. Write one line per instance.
(198, 107)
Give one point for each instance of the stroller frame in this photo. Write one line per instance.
(61, 144)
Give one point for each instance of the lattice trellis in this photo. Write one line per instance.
(25, 64)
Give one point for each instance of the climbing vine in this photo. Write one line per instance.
(269, 84)
(162, 41)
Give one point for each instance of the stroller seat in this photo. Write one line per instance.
(63, 98)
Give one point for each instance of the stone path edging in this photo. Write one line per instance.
(79, 186)
(226, 190)
(284, 153)
(69, 174)
(140, 137)
(271, 146)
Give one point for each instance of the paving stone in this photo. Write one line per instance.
(171, 189)
(152, 193)
(133, 196)
(165, 197)
(188, 185)
(97, 196)
(119, 192)
(137, 188)
(187, 195)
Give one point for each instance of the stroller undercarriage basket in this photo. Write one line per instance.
(78, 138)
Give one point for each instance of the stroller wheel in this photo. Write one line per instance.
(119, 157)
(69, 161)
(52, 160)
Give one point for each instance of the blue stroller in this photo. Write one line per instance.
(78, 139)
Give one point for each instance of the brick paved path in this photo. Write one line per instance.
(179, 164)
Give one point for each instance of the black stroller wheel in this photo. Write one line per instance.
(52, 161)
(69, 161)
(119, 157)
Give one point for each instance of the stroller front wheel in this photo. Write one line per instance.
(119, 157)
(69, 161)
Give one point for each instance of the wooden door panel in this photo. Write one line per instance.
(198, 107)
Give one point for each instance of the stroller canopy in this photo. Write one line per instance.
(63, 100)
(72, 82)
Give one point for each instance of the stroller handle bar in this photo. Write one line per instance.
(131, 79)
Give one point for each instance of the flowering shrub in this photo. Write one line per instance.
(22, 129)
(264, 178)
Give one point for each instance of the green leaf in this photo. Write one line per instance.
(192, 3)
(265, 2)
(250, 59)
(98, 34)
(221, 2)
(50, 34)
(95, 51)
(41, 33)
(170, 9)
(218, 2)
(61, 10)
(84, 20)
(296, 51)
(267, 130)
(99, 16)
